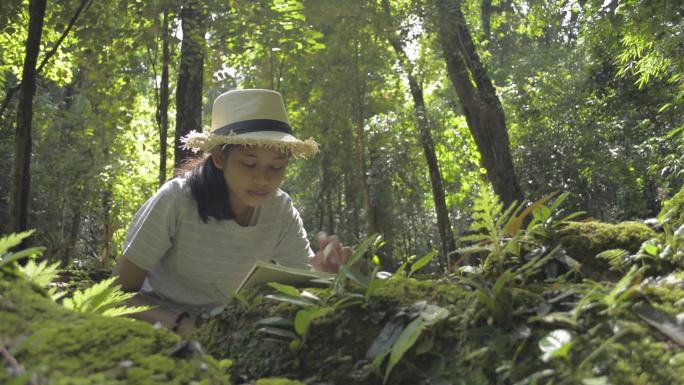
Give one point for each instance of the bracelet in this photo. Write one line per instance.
(179, 319)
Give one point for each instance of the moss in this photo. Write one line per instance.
(72, 348)
(584, 240)
(335, 348)
(672, 212)
(277, 381)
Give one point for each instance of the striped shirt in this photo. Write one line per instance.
(195, 265)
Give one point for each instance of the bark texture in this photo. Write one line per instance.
(190, 77)
(21, 175)
(163, 111)
(477, 97)
(446, 235)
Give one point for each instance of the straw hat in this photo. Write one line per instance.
(252, 117)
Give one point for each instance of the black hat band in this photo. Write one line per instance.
(254, 125)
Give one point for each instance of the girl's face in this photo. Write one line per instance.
(253, 174)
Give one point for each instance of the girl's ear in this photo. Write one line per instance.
(218, 158)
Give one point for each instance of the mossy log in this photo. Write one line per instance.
(487, 338)
(584, 240)
(59, 346)
(672, 213)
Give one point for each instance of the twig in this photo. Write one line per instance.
(16, 366)
(48, 56)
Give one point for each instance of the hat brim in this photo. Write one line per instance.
(206, 141)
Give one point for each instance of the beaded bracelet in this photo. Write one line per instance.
(179, 319)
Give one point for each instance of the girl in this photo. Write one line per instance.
(190, 245)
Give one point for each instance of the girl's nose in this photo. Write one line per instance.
(262, 176)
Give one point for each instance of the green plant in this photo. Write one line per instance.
(42, 274)
(311, 306)
(501, 236)
(12, 240)
(398, 336)
(103, 298)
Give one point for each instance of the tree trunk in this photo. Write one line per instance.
(478, 99)
(446, 235)
(486, 15)
(190, 77)
(358, 105)
(22, 142)
(163, 111)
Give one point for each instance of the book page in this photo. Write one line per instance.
(264, 272)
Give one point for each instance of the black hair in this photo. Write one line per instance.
(208, 187)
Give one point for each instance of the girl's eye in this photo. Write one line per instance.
(249, 165)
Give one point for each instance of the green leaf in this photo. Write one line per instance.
(406, 340)
(303, 318)
(382, 344)
(275, 321)
(555, 344)
(277, 332)
(362, 248)
(102, 298)
(30, 252)
(651, 249)
(422, 262)
(433, 314)
(603, 380)
(355, 274)
(9, 241)
(40, 273)
(372, 288)
(285, 289)
(501, 282)
(289, 299)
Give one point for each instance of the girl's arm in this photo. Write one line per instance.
(131, 277)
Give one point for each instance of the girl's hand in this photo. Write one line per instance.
(331, 253)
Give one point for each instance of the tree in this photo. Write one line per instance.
(190, 82)
(22, 140)
(424, 131)
(163, 105)
(21, 176)
(477, 97)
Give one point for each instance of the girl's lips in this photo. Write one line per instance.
(258, 193)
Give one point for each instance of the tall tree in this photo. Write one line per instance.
(424, 130)
(163, 106)
(22, 141)
(190, 76)
(477, 96)
(21, 175)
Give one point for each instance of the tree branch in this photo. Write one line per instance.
(15, 365)
(66, 31)
(48, 56)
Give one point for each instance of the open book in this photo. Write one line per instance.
(264, 272)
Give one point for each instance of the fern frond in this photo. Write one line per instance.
(40, 273)
(9, 241)
(102, 298)
(616, 258)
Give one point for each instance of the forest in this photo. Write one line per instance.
(514, 166)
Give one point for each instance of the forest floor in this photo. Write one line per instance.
(588, 303)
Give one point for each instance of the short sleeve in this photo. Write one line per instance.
(151, 233)
(293, 246)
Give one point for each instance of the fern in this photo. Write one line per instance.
(486, 211)
(103, 298)
(40, 273)
(618, 259)
(9, 241)
(497, 230)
